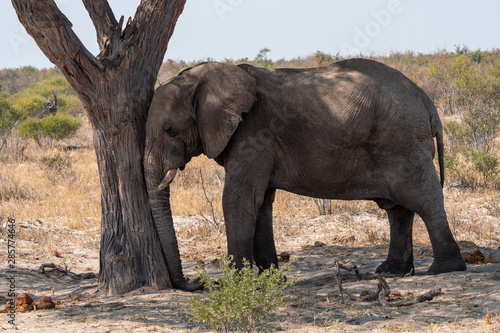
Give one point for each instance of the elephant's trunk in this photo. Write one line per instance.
(160, 207)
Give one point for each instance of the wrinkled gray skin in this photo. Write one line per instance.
(354, 130)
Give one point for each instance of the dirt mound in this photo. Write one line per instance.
(478, 258)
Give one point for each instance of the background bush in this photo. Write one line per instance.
(8, 114)
(55, 127)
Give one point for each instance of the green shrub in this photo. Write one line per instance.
(13, 80)
(242, 300)
(59, 127)
(55, 127)
(261, 58)
(29, 104)
(457, 134)
(31, 128)
(471, 167)
(8, 114)
(324, 59)
(485, 164)
(33, 98)
(470, 159)
(495, 70)
(477, 56)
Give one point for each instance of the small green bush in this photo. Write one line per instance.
(59, 127)
(458, 134)
(472, 167)
(242, 300)
(262, 59)
(9, 117)
(55, 127)
(29, 104)
(485, 164)
(477, 56)
(31, 128)
(324, 59)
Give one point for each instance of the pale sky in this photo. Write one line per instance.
(289, 28)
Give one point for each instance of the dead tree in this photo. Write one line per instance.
(115, 88)
(48, 108)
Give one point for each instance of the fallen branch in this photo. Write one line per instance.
(386, 290)
(350, 269)
(383, 289)
(338, 278)
(62, 271)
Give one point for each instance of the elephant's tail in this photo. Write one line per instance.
(440, 152)
(437, 132)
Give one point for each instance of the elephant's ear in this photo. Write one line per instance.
(223, 94)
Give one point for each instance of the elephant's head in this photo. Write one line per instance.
(195, 112)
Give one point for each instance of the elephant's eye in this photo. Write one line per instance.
(170, 131)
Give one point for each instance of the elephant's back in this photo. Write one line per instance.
(390, 84)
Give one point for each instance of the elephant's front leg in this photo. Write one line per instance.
(264, 249)
(241, 203)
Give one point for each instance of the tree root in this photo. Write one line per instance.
(383, 289)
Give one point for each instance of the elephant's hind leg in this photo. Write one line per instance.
(400, 258)
(447, 257)
(264, 250)
(425, 198)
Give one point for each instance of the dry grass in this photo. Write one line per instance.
(56, 187)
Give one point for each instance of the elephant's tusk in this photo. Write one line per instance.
(169, 177)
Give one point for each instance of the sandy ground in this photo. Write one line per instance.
(470, 301)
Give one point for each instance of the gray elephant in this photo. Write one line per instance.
(353, 130)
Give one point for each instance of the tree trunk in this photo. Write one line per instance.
(116, 88)
(130, 252)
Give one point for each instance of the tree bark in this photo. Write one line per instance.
(115, 88)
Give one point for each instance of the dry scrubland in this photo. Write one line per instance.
(54, 194)
(57, 191)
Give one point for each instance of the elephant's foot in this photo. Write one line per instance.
(189, 286)
(397, 268)
(445, 265)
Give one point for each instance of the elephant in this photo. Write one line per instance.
(354, 130)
